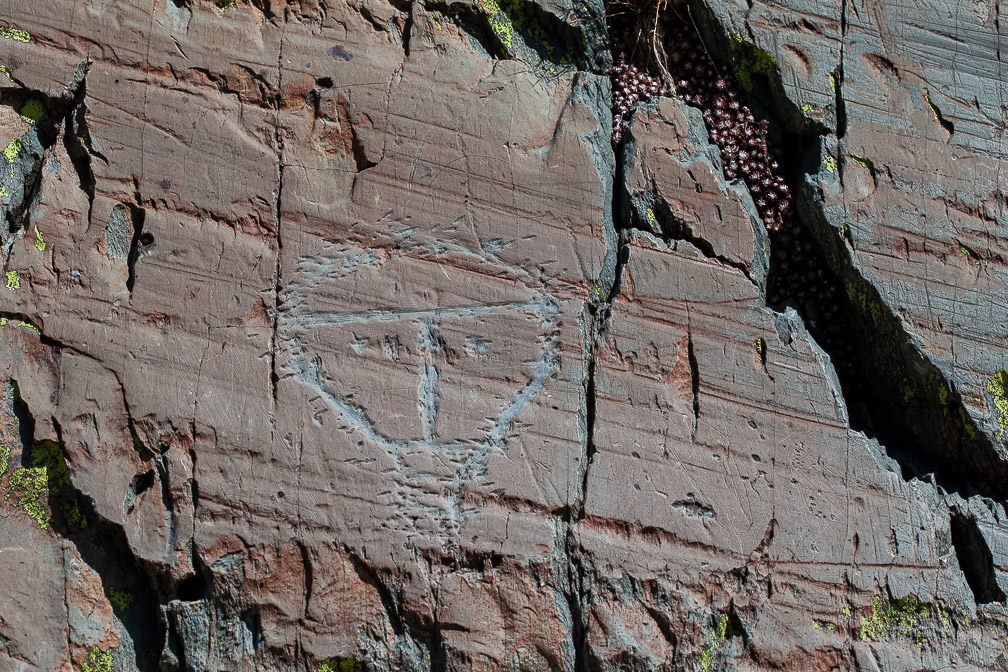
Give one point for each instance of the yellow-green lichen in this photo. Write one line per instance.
(830, 164)
(899, 617)
(120, 599)
(943, 395)
(7, 71)
(971, 255)
(5, 452)
(932, 106)
(12, 150)
(98, 660)
(760, 346)
(868, 306)
(223, 5)
(832, 82)
(29, 487)
(845, 233)
(716, 638)
(348, 664)
(13, 280)
(12, 33)
(864, 162)
(997, 387)
(40, 243)
(500, 23)
(33, 111)
(598, 294)
(749, 60)
(971, 430)
(652, 220)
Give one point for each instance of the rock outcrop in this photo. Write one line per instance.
(343, 337)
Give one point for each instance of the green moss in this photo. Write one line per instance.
(74, 516)
(121, 599)
(98, 660)
(348, 664)
(86, 137)
(33, 111)
(997, 387)
(749, 60)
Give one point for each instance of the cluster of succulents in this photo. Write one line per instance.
(731, 124)
(631, 84)
(802, 278)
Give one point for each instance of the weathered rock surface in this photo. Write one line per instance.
(339, 334)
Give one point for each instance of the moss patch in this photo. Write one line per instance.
(33, 111)
(348, 664)
(98, 660)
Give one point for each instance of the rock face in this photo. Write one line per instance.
(341, 337)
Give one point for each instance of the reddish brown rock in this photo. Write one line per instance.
(323, 353)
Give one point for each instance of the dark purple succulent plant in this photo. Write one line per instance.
(695, 80)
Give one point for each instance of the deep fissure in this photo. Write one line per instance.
(914, 413)
(101, 544)
(975, 558)
(893, 392)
